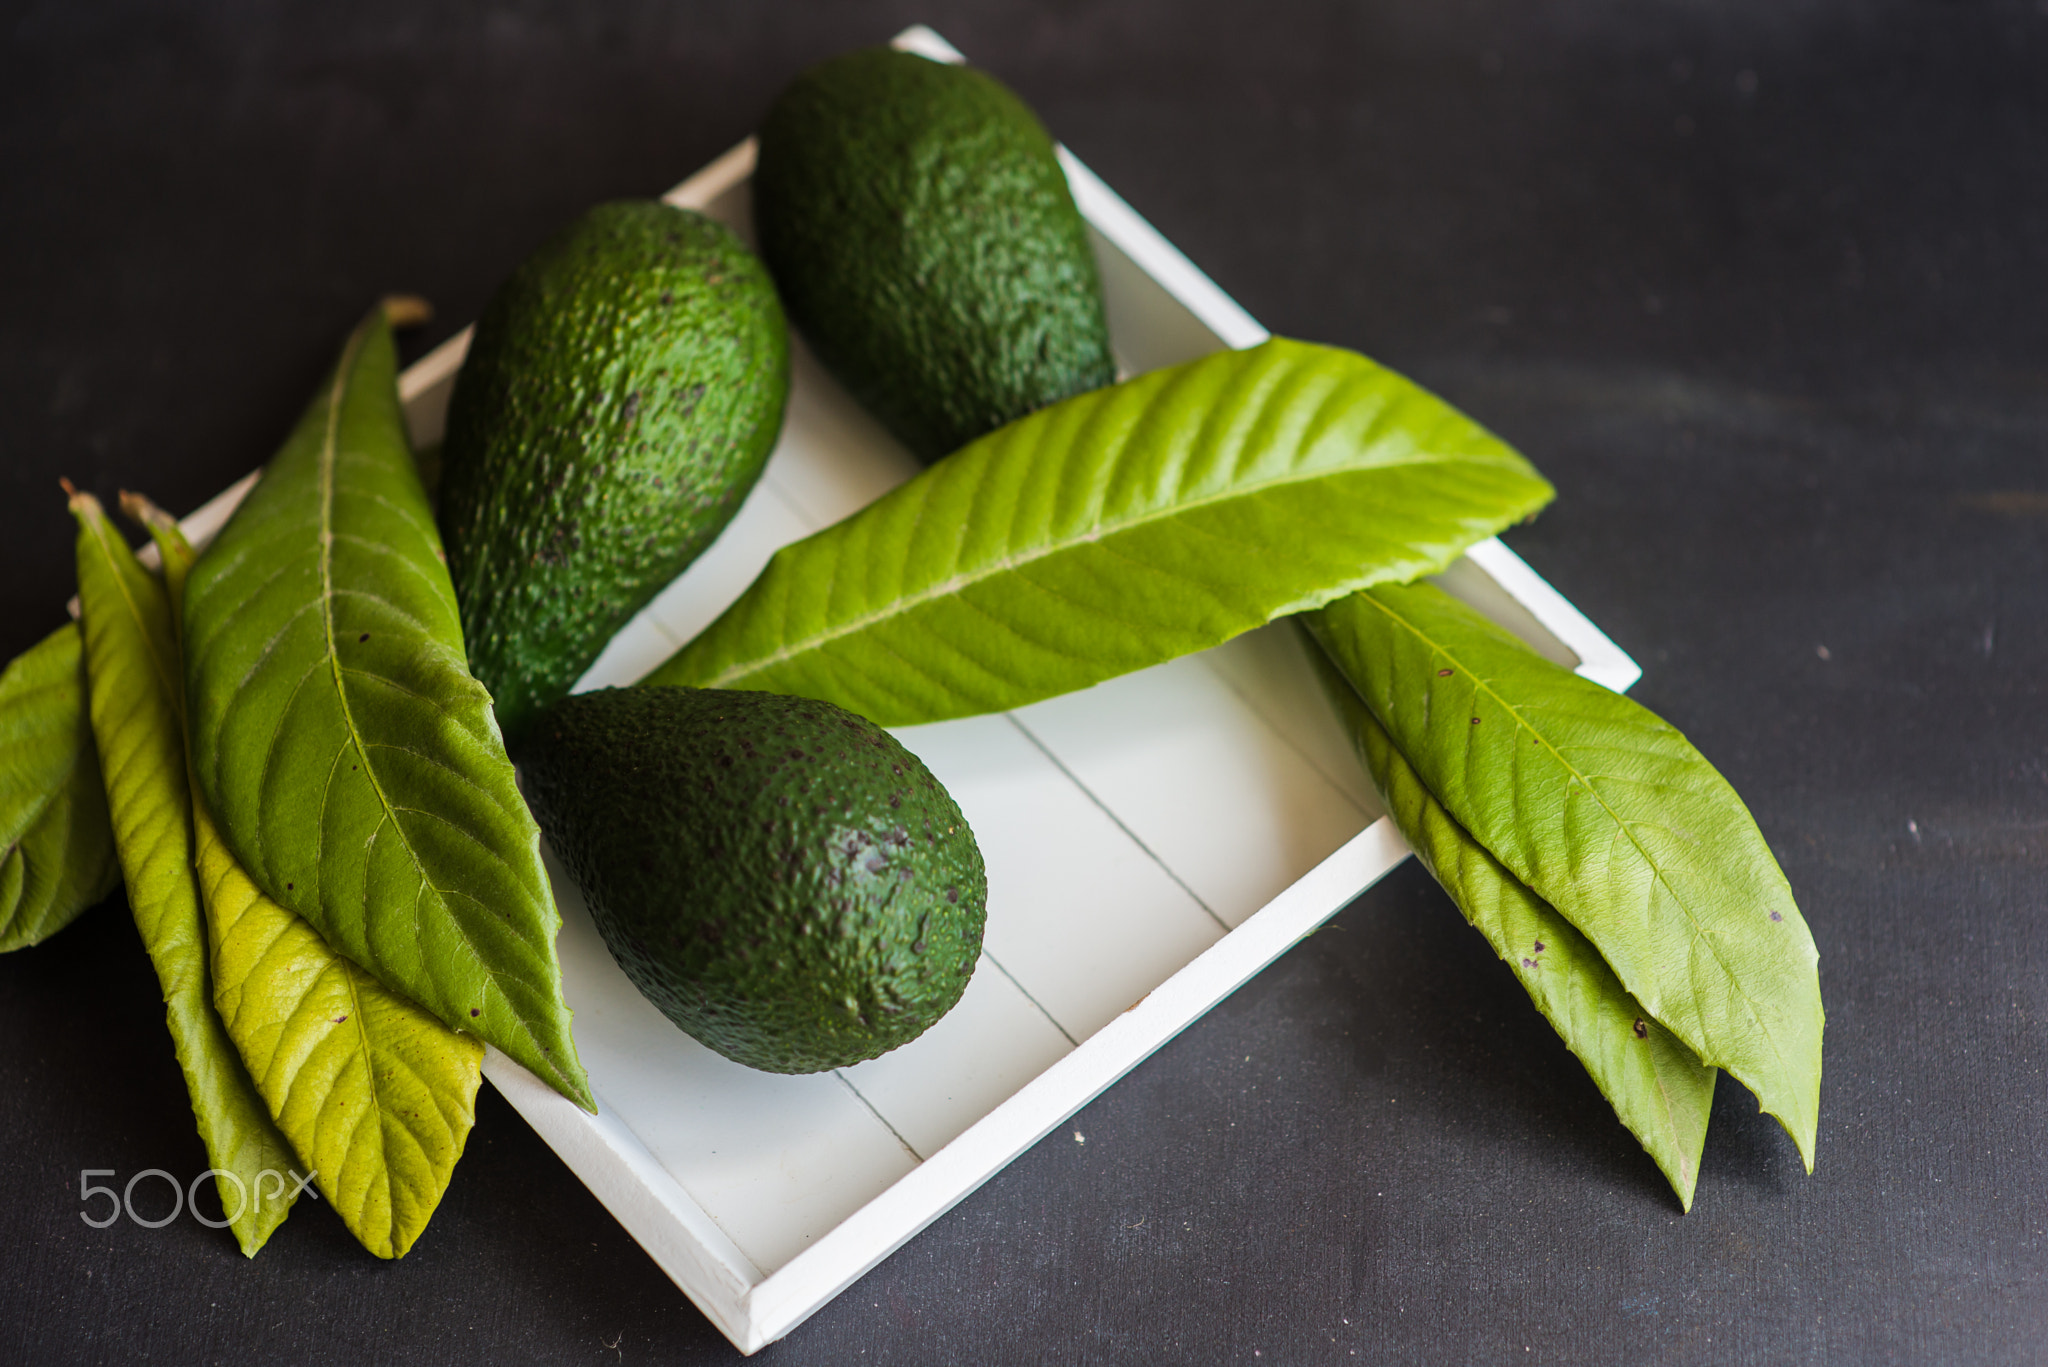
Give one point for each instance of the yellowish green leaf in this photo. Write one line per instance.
(131, 652)
(377, 1094)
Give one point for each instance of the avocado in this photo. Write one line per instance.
(926, 244)
(621, 396)
(781, 877)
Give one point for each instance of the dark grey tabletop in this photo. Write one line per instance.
(1759, 285)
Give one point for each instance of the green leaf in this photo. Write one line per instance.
(1657, 1086)
(337, 736)
(1611, 816)
(375, 1094)
(59, 849)
(131, 655)
(1115, 530)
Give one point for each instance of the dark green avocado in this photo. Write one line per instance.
(925, 242)
(620, 398)
(781, 877)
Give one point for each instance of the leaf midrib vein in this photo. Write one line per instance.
(328, 450)
(1669, 1114)
(377, 1107)
(901, 607)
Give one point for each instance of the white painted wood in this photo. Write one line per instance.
(1082, 917)
(979, 1056)
(1271, 670)
(1199, 778)
(927, 43)
(1151, 316)
(838, 459)
(1578, 642)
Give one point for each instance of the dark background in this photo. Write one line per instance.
(1759, 285)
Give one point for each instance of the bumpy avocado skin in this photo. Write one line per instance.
(781, 877)
(926, 244)
(621, 396)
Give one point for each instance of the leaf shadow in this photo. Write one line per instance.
(1746, 1148)
(1433, 1015)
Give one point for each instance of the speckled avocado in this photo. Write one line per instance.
(922, 234)
(781, 877)
(620, 398)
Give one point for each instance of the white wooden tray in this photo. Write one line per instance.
(1151, 844)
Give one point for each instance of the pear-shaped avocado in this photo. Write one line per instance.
(925, 242)
(621, 396)
(781, 877)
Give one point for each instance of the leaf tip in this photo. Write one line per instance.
(140, 510)
(571, 1081)
(407, 310)
(251, 1236)
(1803, 1128)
